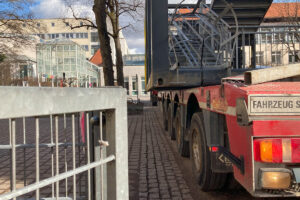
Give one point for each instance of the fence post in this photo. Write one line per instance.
(117, 136)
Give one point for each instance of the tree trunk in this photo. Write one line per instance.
(100, 14)
(119, 61)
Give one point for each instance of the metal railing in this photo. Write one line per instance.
(269, 46)
(199, 38)
(63, 143)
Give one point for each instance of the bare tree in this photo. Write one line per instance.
(100, 15)
(111, 10)
(16, 25)
(115, 9)
(290, 15)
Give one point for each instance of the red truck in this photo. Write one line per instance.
(232, 121)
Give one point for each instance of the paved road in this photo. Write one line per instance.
(156, 170)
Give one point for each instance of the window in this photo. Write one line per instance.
(134, 86)
(263, 38)
(258, 39)
(38, 24)
(276, 38)
(24, 25)
(71, 35)
(291, 38)
(126, 84)
(52, 24)
(94, 48)
(94, 37)
(276, 57)
(269, 38)
(67, 24)
(86, 35)
(294, 57)
(260, 58)
(81, 23)
(24, 71)
(143, 85)
(85, 47)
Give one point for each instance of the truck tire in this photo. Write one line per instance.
(231, 183)
(200, 157)
(171, 128)
(182, 145)
(165, 116)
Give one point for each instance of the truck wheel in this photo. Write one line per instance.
(231, 183)
(200, 157)
(182, 145)
(165, 117)
(171, 128)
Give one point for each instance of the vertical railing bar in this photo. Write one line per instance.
(79, 150)
(272, 50)
(250, 49)
(88, 154)
(266, 49)
(24, 151)
(74, 155)
(65, 152)
(263, 55)
(37, 155)
(244, 48)
(237, 53)
(13, 154)
(101, 154)
(52, 153)
(282, 48)
(57, 156)
(10, 152)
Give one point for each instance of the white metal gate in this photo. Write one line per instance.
(63, 143)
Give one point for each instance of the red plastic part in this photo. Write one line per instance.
(277, 150)
(295, 150)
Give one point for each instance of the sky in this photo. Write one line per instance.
(134, 35)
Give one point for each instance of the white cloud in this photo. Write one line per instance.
(49, 9)
(61, 8)
(136, 44)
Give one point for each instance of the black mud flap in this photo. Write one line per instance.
(220, 163)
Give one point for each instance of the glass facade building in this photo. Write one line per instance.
(64, 58)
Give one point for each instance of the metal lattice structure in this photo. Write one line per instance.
(198, 38)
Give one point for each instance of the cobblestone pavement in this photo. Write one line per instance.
(153, 170)
(157, 171)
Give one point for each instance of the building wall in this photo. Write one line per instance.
(60, 28)
(132, 73)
